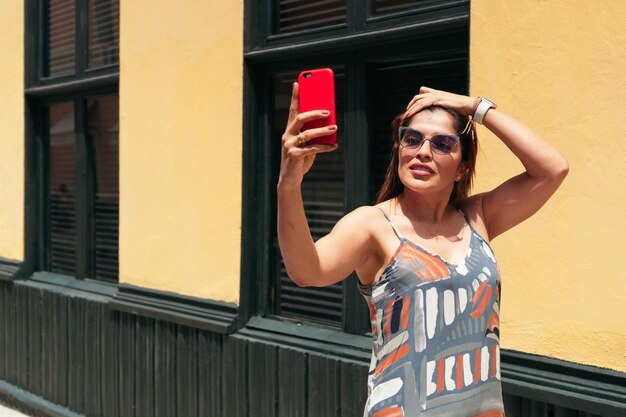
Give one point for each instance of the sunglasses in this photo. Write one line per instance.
(414, 139)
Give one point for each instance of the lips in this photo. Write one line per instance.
(421, 169)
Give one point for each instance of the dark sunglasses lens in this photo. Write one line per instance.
(443, 143)
(410, 138)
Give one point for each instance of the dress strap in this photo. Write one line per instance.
(472, 231)
(463, 214)
(395, 230)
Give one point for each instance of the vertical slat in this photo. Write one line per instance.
(126, 348)
(532, 408)
(34, 341)
(262, 378)
(3, 328)
(564, 412)
(11, 364)
(21, 296)
(6, 336)
(46, 348)
(93, 369)
(40, 338)
(353, 395)
(53, 346)
(539, 409)
(165, 369)
(526, 407)
(324, 398)
(186, 372)
(77, 333)
(235, 378)
(210, 374)
(60, 365)
(292, 385)
(110, 357)
(512, 404)
(144, 388)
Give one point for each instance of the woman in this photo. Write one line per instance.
(421, 253)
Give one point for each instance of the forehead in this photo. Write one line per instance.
(433, 121)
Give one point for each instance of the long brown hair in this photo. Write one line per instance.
(392, 186)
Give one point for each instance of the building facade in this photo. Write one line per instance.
(139, 269)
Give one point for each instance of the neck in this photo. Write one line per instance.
(424, 209)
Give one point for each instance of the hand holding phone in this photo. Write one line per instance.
(317, 92)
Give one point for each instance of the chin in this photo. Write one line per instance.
(425, 186)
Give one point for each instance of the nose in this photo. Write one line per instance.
(424, 151)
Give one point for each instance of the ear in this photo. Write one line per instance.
(461, 171)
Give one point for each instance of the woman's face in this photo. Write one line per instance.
(424, 171)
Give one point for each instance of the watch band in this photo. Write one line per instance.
(482, 109)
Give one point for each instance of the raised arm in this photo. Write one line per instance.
(520, 197)
(335, 256)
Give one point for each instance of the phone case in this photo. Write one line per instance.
(317, 92)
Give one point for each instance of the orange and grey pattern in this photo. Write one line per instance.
(436, 335)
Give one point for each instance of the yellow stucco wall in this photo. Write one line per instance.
(559, 66)
(12, 130)
(181, 81)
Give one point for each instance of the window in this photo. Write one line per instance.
(381, 52)
(305, 14)
(323, 195)
(72, 77)
(380, 7)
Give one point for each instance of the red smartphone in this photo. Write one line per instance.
(317, 92)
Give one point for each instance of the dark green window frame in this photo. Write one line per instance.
(41, 91)
(355, 48)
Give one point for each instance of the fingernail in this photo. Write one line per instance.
(332, 127)
(325, 112)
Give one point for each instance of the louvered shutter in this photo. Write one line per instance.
(392, 88)
(306, 14)
(390, 6)
(62, 193)
(103, 32)
(323, 195)
(61, 28)
(103, 132)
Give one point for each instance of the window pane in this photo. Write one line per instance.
(104, 29)
(61, 37)
(102, 125)
(390, 96)
(307, 14)
(390, 6)
(323, 195)
(62, 210)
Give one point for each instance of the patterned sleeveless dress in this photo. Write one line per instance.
(435, 332)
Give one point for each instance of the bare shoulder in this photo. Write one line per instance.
(365, 218)
(472, 207)
(363, 225)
